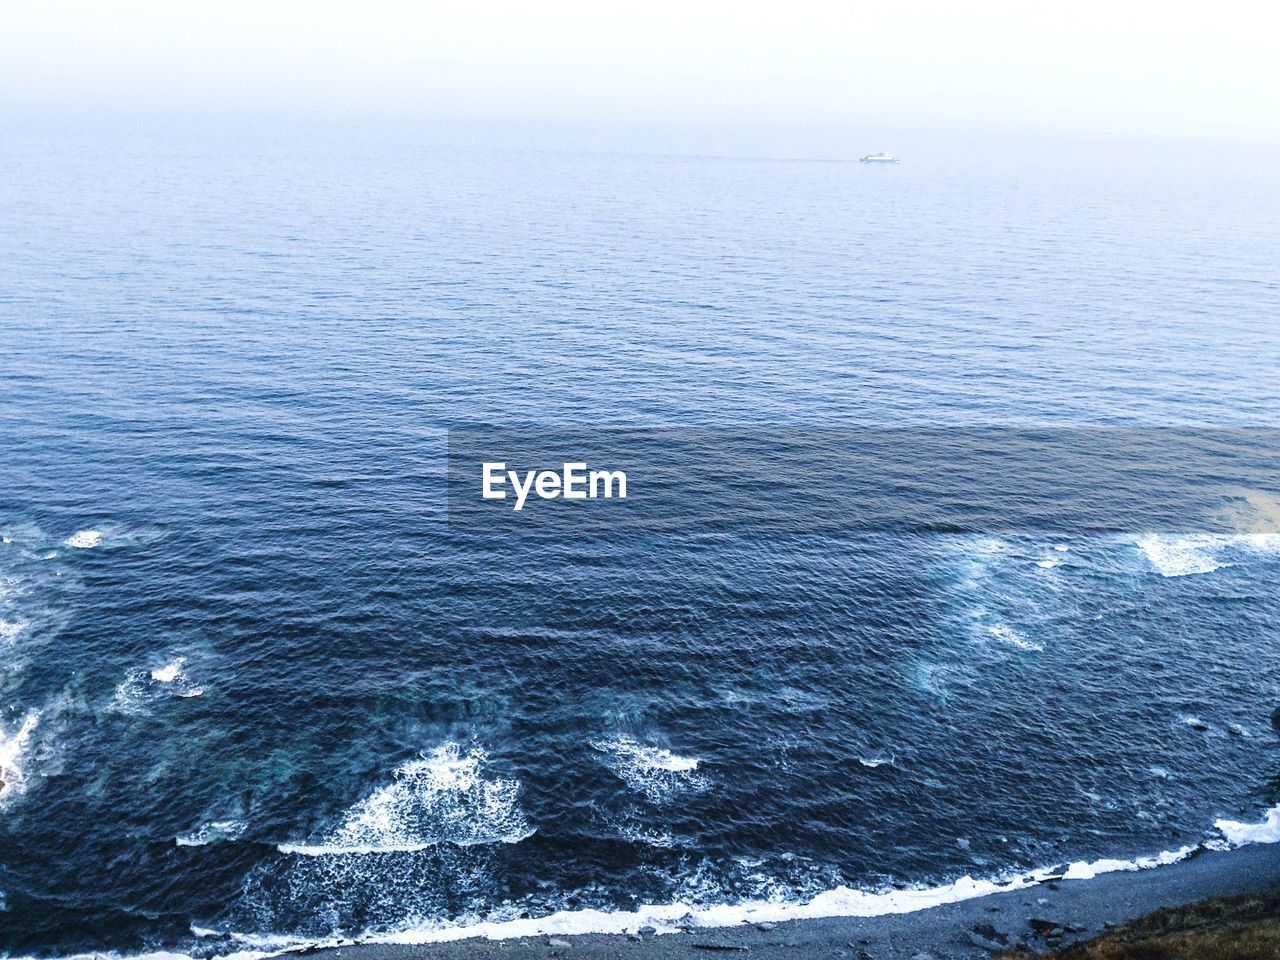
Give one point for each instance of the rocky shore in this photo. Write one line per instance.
(1043, 918)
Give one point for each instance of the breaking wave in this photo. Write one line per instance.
(9, 630)
(1238, 834)
(212, 832)
(143, 686)
(694, 912)
(12, 750)
(83, 539)
(876, 761)
(655, 772)
(695, 905)
(412, 850)
(1173, 555)
(441, 797)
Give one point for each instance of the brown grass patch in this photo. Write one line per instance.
(1237, 928)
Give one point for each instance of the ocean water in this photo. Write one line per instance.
(256, 689)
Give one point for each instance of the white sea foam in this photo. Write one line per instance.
(351, 849)
(12, 750)
(1014, 638)
(1087, 870)
(173, 675)
(997, 596)
(840, 901)
(655, 772)
(212, 832)
(976, 556)
(1049, 562)
(129, 694)
(169, 672)
(1258, 542)
(84, 539)
(649, 836)
(1238, 834)
(877, 761)
(440, 797)
(256, 951)
(1180, 556)
(142, 686)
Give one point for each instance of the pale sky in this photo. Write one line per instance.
(1082, 67)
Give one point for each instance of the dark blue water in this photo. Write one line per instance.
(255, 688)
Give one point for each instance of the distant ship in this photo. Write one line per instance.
(879, 158)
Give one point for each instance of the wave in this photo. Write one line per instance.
(1239, 834)
(15, 618)
(655, 772)
(350, 850)
(84, 539)
(12, 750)
(169, 672)
(212, 832)
(876, 761)
(1175, 555)
(991, 590)
(441, 797)
(1015, 638)
(680, 915)
(645, 835)
(1180, 556)
(141, 686)
(840, 901)
(173, 676)
(108, 535)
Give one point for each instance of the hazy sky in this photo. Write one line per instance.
(1196, 69)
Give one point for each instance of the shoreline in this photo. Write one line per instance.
(1052, 913)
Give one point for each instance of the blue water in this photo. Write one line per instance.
(254, 686)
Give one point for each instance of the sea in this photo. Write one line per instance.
(260, 687)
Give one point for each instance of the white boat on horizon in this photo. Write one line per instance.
(879, 158)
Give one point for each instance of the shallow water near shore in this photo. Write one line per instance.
(256, 690)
